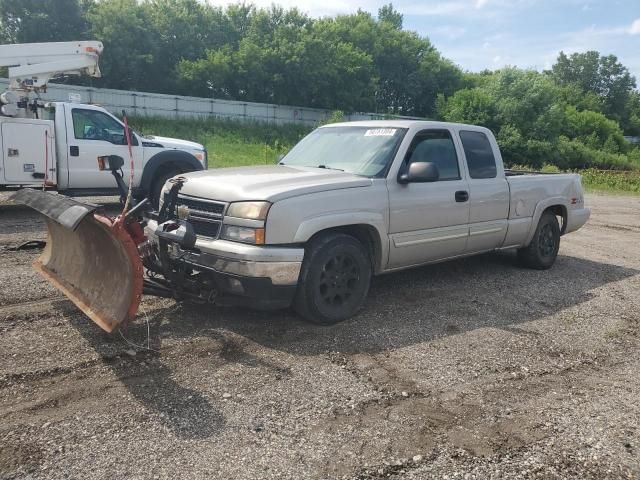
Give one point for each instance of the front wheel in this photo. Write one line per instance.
(541, 253)
(334, 280)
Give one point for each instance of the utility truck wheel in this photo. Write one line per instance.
(158, 183)
(543, 249)
(334, 280)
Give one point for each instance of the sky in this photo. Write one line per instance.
(479, 34)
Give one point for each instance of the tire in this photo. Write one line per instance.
(541, 253)
(334, 280)
(157, 184)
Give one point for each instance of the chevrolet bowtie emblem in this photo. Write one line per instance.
(183, 212)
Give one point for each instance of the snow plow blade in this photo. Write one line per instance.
(89, 257)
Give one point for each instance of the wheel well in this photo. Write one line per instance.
(367, 235)
(164, 162)
(559, 211)
(167, 167)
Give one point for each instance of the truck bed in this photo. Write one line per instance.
(527, 189)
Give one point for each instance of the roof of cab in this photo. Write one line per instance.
(402, 124)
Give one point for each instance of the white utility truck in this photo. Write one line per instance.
(56, 144)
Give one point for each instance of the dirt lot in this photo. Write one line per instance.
(469, 369)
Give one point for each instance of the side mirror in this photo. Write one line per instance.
(110, 162)
(420, 172)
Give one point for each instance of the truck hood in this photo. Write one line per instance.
(167, 142)
(272, 183)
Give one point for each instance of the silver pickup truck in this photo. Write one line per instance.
(353, 200)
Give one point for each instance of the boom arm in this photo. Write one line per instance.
(32, 65)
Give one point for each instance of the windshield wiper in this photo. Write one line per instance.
(330, 168)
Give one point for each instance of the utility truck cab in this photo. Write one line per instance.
(60, 149)
(56, 144)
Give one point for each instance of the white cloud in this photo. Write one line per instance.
(481, 3)
(450, 31)
(433, 8)
(635, 27)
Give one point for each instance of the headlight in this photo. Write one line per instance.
(250, 210)
(236, 233)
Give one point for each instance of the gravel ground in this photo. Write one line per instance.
(470, 369)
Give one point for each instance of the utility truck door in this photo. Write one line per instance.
(92, 133)
(28, 153)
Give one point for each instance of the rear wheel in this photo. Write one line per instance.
(158, 183)
(541, 253)
(334, 280)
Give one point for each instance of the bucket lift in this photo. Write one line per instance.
(33, 65)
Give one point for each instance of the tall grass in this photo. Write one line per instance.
(613, 181)
(229, 143)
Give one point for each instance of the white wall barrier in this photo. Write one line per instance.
(175, 106)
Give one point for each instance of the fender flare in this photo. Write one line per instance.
(375, 221)
(179, 158)
(541, 207)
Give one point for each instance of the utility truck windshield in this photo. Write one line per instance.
(362, 151)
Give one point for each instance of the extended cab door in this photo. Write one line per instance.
(429, 221)
(488, 191)
(92, 132)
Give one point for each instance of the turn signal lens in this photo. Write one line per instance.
(259, 236)
(236, 233)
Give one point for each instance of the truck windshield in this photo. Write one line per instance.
(363, 151)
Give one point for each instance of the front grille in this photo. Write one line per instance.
(205, 228)
(204, 215)
(202, 206)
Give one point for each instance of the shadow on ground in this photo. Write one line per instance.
(417, 305)
(185, 411)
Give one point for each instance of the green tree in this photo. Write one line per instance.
(633, 109)
(603, 75)
(409, 71)
(594, 130)
(28, 21)
(534, 124)
(183, 29)
(132, 49)
(390, 15)
(475, 106)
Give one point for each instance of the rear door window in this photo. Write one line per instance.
(480, 159)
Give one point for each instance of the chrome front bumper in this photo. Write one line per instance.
(279, 264)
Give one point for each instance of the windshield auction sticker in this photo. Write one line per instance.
(380, 132)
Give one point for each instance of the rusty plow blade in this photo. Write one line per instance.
(89, 257)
